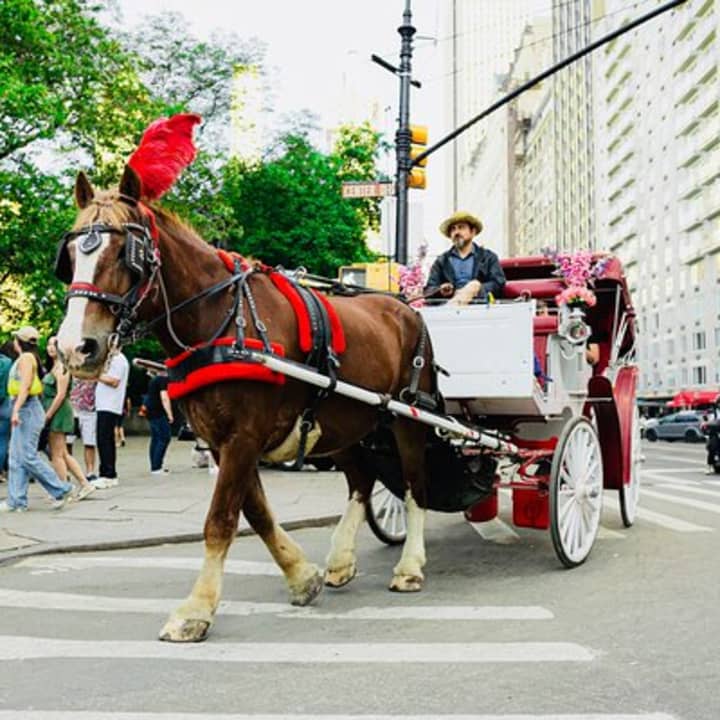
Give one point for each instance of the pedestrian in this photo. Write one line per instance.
(160, 415)
(120, 428)
(7, 355)
(60, 420)
(27, 419)
(109, 399)
(82, 399)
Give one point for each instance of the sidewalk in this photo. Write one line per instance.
(149, 510)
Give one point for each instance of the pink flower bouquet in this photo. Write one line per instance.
(576, 295)
(411, 278)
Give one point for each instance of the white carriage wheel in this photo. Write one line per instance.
(576, 491)
(387, 515)
(630, 493)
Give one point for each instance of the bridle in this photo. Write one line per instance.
(143, 261)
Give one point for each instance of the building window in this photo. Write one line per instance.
(717, 337)
(697, 273)
(699, 340)
(670, 346)
(699, 375)
(684, 376)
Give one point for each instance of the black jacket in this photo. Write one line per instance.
(486, 269)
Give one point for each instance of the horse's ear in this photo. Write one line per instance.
(84, 192)
(131, 185)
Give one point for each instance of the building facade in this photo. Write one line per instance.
(658, 174)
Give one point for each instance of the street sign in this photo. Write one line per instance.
(367, 189)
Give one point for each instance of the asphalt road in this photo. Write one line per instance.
(500, 631)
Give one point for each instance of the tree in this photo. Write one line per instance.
(359, 147)
(291, 211)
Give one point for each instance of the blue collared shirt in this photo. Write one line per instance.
(463, 268)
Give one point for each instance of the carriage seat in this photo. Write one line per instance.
(535, 288)
(543, 326)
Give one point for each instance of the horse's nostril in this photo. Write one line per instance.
(89, 348)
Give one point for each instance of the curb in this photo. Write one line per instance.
(178, 539)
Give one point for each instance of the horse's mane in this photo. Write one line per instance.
(105, 204)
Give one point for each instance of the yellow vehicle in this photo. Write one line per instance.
(381, 275)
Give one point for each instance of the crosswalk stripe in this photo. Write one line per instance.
(669, 522)
(677, 459)
(691, 489)
(678, 500)
(27, 648)
(85, 715)
(102, 603)
(77, 562)
(496, 531)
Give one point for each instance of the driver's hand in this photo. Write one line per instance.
(447, 289)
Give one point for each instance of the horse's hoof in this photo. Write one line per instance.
(340, 576)
(308, 591)
(183, 631)
(406, 583)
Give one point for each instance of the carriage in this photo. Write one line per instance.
(566, 430)
(441, 408)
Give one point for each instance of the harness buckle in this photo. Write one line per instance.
(418, 362)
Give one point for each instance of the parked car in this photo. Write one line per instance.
(678, 426)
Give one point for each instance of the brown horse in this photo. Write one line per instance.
(243, 420)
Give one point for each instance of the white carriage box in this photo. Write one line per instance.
(487, 349)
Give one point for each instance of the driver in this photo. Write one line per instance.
(467, 265)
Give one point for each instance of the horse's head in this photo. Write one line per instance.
(108, 260)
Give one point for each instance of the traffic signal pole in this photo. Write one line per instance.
(402, 137)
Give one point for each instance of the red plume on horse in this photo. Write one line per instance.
(165, 150)
(134, 269)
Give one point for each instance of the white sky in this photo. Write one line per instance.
(310, 43)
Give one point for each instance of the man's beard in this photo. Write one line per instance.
(461, 243)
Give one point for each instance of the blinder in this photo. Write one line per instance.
(138, 250)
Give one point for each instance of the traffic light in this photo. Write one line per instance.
(418, 145)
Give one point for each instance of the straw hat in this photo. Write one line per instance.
(461, 216)
(27, 333)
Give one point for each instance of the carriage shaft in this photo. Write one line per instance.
(369, 397)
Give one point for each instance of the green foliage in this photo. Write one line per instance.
(291, 211)
(358, 147)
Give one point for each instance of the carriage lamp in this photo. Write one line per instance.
(573, 326)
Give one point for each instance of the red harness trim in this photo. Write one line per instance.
(298, 306)
(338, 334)
(224, 372)
(339, 344)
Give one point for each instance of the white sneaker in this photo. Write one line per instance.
(162, 471)
(5, 508)
(60, 503)
(103, 483)
(86, 491)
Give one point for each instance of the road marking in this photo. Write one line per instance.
(65, 563)
(667, 521)
(688, 489)
(496, 531)
(104, 603)
(27, 648)
(678, 500)
(86, 715)
(677, 459)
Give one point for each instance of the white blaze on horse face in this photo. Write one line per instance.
(72, 331)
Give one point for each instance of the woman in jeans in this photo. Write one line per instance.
(27, 420)
(60, 419)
